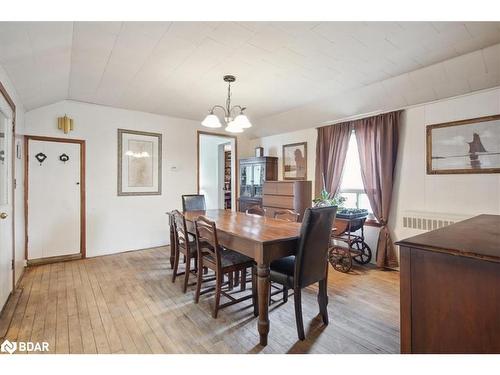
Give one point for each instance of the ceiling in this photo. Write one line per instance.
(176, 68)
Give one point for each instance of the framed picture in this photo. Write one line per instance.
(259, 151)
(139, 163)
(467, 146)
(295, 161)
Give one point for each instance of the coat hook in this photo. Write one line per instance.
(40, 157)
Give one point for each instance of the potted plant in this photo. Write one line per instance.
(327, 199)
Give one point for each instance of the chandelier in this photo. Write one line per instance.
(233, 124)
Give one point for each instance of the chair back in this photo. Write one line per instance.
(206, 240)
(255, 210)
(286, 215)
(193, 202)
(180, 230)
(311, 257)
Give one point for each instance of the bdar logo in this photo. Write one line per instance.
(8, 347)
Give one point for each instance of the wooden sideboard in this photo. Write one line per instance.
(291, 195)
(450, 288)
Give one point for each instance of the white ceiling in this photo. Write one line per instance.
(176, 68)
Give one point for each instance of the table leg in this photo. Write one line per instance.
(263, 293)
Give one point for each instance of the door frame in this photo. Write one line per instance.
(235, 156)
(12, 105)
(83, 213)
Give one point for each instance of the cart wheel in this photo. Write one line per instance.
(365, 253)
(339, 260)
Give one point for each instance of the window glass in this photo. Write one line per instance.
(351, 186)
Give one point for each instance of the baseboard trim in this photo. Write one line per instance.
(56, 259)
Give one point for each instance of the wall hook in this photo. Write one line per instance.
(64, 158)
(40, 157)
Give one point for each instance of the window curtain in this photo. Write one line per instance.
(331, 151)
(377, 139)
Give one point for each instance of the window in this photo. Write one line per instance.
(351, 186)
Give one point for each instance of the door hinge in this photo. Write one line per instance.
(12, 264)
(15, 183)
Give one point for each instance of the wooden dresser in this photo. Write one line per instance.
(291, 195)
(450, 288)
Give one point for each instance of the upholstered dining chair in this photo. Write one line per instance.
(184, 244)
(222, 261)
(286, 215)
(310, 264)
(193, 202)
(256, 210)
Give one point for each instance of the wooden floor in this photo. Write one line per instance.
(126, 303)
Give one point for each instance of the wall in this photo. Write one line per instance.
(460, 194)
(19, 176)
(115, 223)
(414, 190)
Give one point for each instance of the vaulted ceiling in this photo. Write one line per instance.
(176, 68)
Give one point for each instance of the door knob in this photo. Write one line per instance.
(3, 215)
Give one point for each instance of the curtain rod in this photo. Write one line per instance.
(380, 112)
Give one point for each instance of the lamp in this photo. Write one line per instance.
(211, 121)
(65, 124)
(233, 124)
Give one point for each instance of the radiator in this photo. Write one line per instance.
(426, 221)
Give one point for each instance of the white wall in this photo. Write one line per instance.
(115, 223)
(414, 190)
(458, 194)
(19, 176)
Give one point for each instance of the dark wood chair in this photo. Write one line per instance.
(193, 202)
(286, 215)
(220, 260)
(184, 244)
(171, 227)
(310, 264)
(256, 210)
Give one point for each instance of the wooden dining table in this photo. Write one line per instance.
(262, 238)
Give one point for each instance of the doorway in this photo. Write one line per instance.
(217, 170)
(6, 206)
(55, 199)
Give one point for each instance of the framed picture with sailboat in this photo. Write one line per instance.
(466, 146)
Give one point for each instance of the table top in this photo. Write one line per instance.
(256, 228)
(478, 237)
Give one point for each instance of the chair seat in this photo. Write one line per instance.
(282, 271)
(231, 259)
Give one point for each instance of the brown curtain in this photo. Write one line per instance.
(331, 151)
(377, 139)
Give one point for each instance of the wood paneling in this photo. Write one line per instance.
(126, 303)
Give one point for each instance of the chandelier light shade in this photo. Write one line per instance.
(211, 121)
(242, 121)
(232, 127)
(234, 118)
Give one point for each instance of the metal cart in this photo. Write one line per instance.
(346, 245)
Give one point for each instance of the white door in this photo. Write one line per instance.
(53, 199)
(6, 249)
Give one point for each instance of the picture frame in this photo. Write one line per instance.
(139, 163)
(295, 161)
(464, 147)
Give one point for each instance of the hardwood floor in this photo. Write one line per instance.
(126, 303)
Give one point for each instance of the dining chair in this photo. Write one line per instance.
(286, 215)
(193, 202)
(222, 261)
(171, 227)
(184, 244)
(309, 264)
(256, 210)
